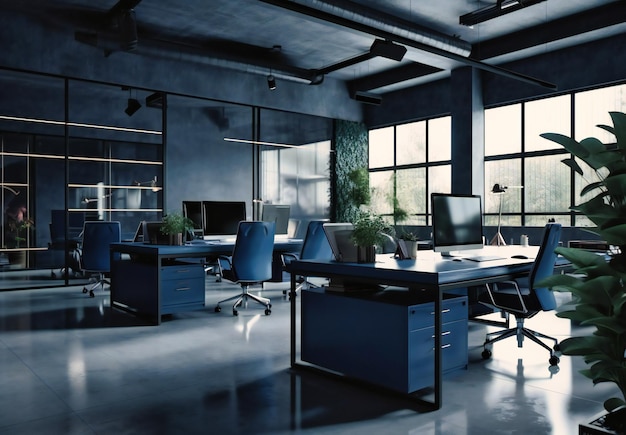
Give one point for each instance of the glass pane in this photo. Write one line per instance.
(592, 108)
(411, 193)
(411, 143)
(439, 180)
(505, 173)
(381, 147)
(542, 220)
(381, 186)
(503, 130)
(550, 115)
(547, 185)
(440, 139)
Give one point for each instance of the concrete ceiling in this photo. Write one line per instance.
(310, 40)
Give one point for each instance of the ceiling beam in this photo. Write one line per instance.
(381, 33)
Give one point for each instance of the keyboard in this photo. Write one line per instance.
(484, 258)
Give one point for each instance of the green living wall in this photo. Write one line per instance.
(351, 152)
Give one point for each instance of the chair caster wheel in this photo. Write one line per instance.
(554, 360)
(268, 311)
(235, 313)
(218, 309)
(84, 289)
(486, 354)
(91, 294)
(269, 306)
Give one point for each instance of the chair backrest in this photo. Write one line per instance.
(97, 236)
(544, 266)
(252, 254)
(315, 245)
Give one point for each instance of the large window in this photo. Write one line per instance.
(541, 187)
(407, 162)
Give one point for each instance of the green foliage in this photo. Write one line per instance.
(351, 153)
(599, 296)
(360, 189)
(369, 229)
(176, 223)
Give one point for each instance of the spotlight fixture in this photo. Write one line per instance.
(271, 82)
(152, 183)
(132, 106)
(502, 7)
(387, 49)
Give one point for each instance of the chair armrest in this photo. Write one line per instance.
(493, 294)
(288, 256)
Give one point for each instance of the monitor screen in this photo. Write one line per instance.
(193, 211)
(457, 222)
(152, 234)
(279, 214)
(221, 218)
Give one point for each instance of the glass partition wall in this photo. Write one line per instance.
(74, 151)
(71, 151)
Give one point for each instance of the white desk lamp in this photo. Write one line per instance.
(498, 240)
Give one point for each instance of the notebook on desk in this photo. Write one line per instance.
(339, 237)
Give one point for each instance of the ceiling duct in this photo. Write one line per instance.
(377, 19)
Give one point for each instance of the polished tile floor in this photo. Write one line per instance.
(72, 365)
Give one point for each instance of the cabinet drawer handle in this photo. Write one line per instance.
(447, 310)
(442, 334)
(182, 289)
(444, 346)
(182, 271)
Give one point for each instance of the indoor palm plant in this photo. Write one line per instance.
(599, 296)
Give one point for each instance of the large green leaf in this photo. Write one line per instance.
(619, 121)
(609, 323)
(573, 164)
(568, 143)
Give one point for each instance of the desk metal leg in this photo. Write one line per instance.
(292, 299)
(438, 361)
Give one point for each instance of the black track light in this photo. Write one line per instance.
(271, 82)
(132, 106)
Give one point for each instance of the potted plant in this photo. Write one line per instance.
(367, 234)
(18, 225)
(598, 288)
(175, 225)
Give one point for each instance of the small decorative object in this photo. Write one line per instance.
(175, 225)
(598, 289)
(367, 234)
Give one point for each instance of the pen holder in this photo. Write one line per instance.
(523, 240)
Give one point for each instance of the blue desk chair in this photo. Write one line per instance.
(251, 262)
(96, 257)
(315, 246)
(521, 299)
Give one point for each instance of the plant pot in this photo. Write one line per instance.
(411, 247)
(366, 254)
(176, 239)
(17, 259)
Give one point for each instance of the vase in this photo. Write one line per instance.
(366, 254)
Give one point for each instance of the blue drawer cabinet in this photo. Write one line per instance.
(182, 286)
(387, 341)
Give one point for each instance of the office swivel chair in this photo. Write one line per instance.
(251, 262)
(97, 237)
(68, 247)
(521, 299)
(315, 246)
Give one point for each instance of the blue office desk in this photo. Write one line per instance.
(428, 272)
(152, 280)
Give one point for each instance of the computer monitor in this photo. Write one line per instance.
(277, 213)
(152, 233)
(221, 218)
(193, 211)
(457, 222)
